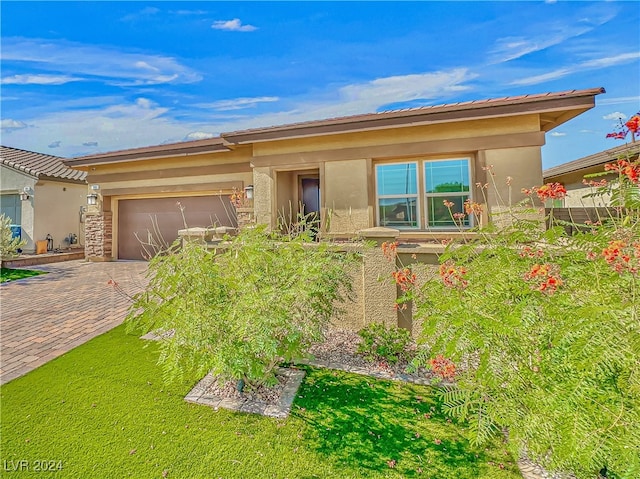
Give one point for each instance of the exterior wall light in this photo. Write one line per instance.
(248, 192)
(25, 194)
(92, 199)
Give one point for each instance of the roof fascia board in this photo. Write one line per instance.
(62, 180)
(127, 156)
(423, 118)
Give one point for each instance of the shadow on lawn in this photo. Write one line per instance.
(378, 426)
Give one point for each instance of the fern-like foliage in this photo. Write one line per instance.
(546, 331)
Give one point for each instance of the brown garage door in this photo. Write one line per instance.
(145, 224)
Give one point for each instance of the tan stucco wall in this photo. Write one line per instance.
(523, 165)
(286, 197)
(346, 195)
(57, 211)
(14, 182)
(443, 131)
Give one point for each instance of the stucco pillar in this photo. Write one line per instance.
(379, 289)
(264, 196)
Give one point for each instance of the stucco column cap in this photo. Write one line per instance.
(379, 232)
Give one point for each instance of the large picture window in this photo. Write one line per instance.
(406, 189)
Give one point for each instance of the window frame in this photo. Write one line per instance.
(415, 195)
(445, 195)
(422, 195)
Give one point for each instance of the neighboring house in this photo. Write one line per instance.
(572, 173)
(393, 168)
(44, 196)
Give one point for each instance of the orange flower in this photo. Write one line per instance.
(443, 367)
(453, 277)
(550, 191)
(389, 250)
(404, 278)
(471, 207)
(622, 257)
(626, 168)
(545, 276)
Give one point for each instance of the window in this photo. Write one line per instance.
(406, 189)
(397, 186)
(446, 180)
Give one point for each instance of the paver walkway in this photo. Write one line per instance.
(45, 316)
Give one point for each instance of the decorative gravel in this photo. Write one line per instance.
(268, 401)
(265, 394)
(339, 351)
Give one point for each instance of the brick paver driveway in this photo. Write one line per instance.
(45, 316)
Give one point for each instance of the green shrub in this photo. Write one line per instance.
(380, 343)
(243, 309)
(8, 244)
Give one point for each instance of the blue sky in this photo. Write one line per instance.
(84, 77)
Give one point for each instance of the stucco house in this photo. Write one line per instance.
(572, 173)
(393, 168)
(44, 196)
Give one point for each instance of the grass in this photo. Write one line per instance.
(8, 274)
(102, 411)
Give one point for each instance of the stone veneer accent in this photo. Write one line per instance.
(245, 216)
(98, 236)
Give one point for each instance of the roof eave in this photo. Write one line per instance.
(571, 105)
(20, 169)
(141, 154)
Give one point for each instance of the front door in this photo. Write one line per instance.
(310, 194)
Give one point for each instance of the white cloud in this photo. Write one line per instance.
(583, 66)
(38, 80)
(611, 61)
(234, 25)
(621, 100)
(113, 127)
(111, 65)
(90, 143)
(143, 122)
(238, 103)
(189, 12)
(198, 135)
(616, 115)
(145, 12)
(359, 98)
(547, 35)
(55, 144)
(10, 125)
(557, 133)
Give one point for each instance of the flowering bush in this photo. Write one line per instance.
(631, 126)
(541, 332)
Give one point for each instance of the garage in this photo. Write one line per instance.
(147, 224)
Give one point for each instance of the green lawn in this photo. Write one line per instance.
(102, 411)
(7, 274)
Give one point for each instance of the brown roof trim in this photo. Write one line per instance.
(470, 110)
(430, 114)
(593, 160)
(185, 148)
